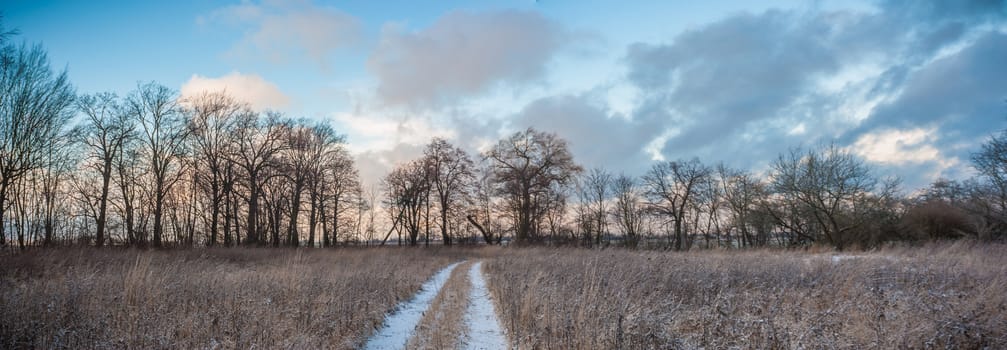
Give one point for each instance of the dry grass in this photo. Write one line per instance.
(210, 298)
(937, 296)
(443, 325)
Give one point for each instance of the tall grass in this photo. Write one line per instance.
(210, 298)
(937, 296)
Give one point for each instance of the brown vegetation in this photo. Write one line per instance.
(936, 296)
(210, 298)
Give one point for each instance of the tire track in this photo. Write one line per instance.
(481, 317)
(400, 324)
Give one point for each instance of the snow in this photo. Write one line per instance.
(838, 258)
(399, 325)
(841, 257)
(482, 321)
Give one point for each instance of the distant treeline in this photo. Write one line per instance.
(155, 169)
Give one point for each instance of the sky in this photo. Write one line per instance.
(912, 87)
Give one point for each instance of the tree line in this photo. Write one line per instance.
(155, 169)
(529, 189)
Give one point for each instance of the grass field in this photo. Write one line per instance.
(940, 296)
(935, 296)
(211, 298)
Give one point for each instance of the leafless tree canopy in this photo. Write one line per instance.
(531, 170)
(154, 169)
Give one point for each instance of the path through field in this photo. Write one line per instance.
(484, 325)
(399, 326)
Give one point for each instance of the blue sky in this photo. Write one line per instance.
(910, 86)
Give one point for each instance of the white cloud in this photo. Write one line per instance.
(250, 88)
(279, 29)
(376, 132)
(381, 142)
(898, 147)
(463, 54)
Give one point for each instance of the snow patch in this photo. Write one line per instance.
(400, 324)
(482, 321)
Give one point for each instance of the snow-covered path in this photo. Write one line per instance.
(399, 325)
(481, 318)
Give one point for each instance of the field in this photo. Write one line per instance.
(210, 298)
(934, 296)
(941, 296)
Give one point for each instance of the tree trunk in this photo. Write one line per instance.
(158, 214)
(524, 219)
(3, 211)
(293, 238)
(487, 236)
(106, 176)
(335, 221)
(325, 224)
(444, 223)
(253, 212)
(227, 220)
(214, 211)
(426, 219)
(312, 219)
(275, 224)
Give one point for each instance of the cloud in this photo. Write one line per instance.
(374, 165)
(964, 92)
(249, 88)
(596, 137)
(463, 54)
(381, 142)
(897, 147)
(747, 87)
(375, 131)
(281, 29)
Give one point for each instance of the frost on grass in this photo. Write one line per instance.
(399, 326)
(484, 325)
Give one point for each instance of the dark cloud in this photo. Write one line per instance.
(462, 54)
(747, 87)
(963, 95)
(716, 83)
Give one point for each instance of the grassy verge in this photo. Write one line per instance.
(938, 296)
(206, 298)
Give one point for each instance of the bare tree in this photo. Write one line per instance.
(258, 141)
(297, 157)
(34, 106)
(342, 189)
(107, 129)
(451, 175)
(671, 188)
(407, 190)
(48, 183)
(209, 118)
(827, 195)
(528, 168)
(596, 193)
(277, 199)
(628, 211)
(991, 162)
(129, 171)
(742, 193)
(163, 137)
(480, 214)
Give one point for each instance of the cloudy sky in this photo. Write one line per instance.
(911, 86)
